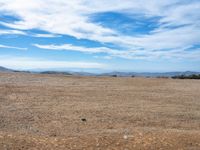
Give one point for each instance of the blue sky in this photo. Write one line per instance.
(100, 36)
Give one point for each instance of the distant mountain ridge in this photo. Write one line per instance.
(68, 73)
(3, 69)
(119, 74)
(149, 74)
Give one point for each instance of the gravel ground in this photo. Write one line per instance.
(67, 112)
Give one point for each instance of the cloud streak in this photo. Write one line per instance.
(11, 32)
(45, 35)
(26, 63)
(128, 54)
(178, 25)
(12, 47)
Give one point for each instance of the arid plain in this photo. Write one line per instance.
(57, 112)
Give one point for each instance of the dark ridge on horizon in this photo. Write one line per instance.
(4, 69)
(111, 74)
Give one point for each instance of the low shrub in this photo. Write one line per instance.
(194, 76)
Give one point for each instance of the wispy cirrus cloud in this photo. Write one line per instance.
(12, 47)
(45, 35)
(177, 27)
(19, 32)
(70, 47)
(12, 32)
(29, 63)
(128, 54)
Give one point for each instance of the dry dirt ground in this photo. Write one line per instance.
(57, 112)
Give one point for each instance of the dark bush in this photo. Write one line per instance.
(114, 75)
(194, 76)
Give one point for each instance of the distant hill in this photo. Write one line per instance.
(83, 74)
(3, 69)
(55, 72)
(110, 74)
(68, 73)
(149, 74)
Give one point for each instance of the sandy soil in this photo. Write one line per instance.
(55, 112)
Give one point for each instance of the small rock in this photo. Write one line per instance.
(83, 119)
(125, 137)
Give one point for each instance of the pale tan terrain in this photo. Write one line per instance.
(48, 111)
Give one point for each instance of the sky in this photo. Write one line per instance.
(100, 35)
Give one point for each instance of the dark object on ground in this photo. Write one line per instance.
(83, 119)
(194, 76)
(114, 75)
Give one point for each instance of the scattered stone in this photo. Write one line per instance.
(125, 137)
(83, 119)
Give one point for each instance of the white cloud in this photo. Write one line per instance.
(12, 47)
(178, 24)
(45, 35)
(169, 39)
(128, 54)
(70, 47)
(25, 63)
(17, 32)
